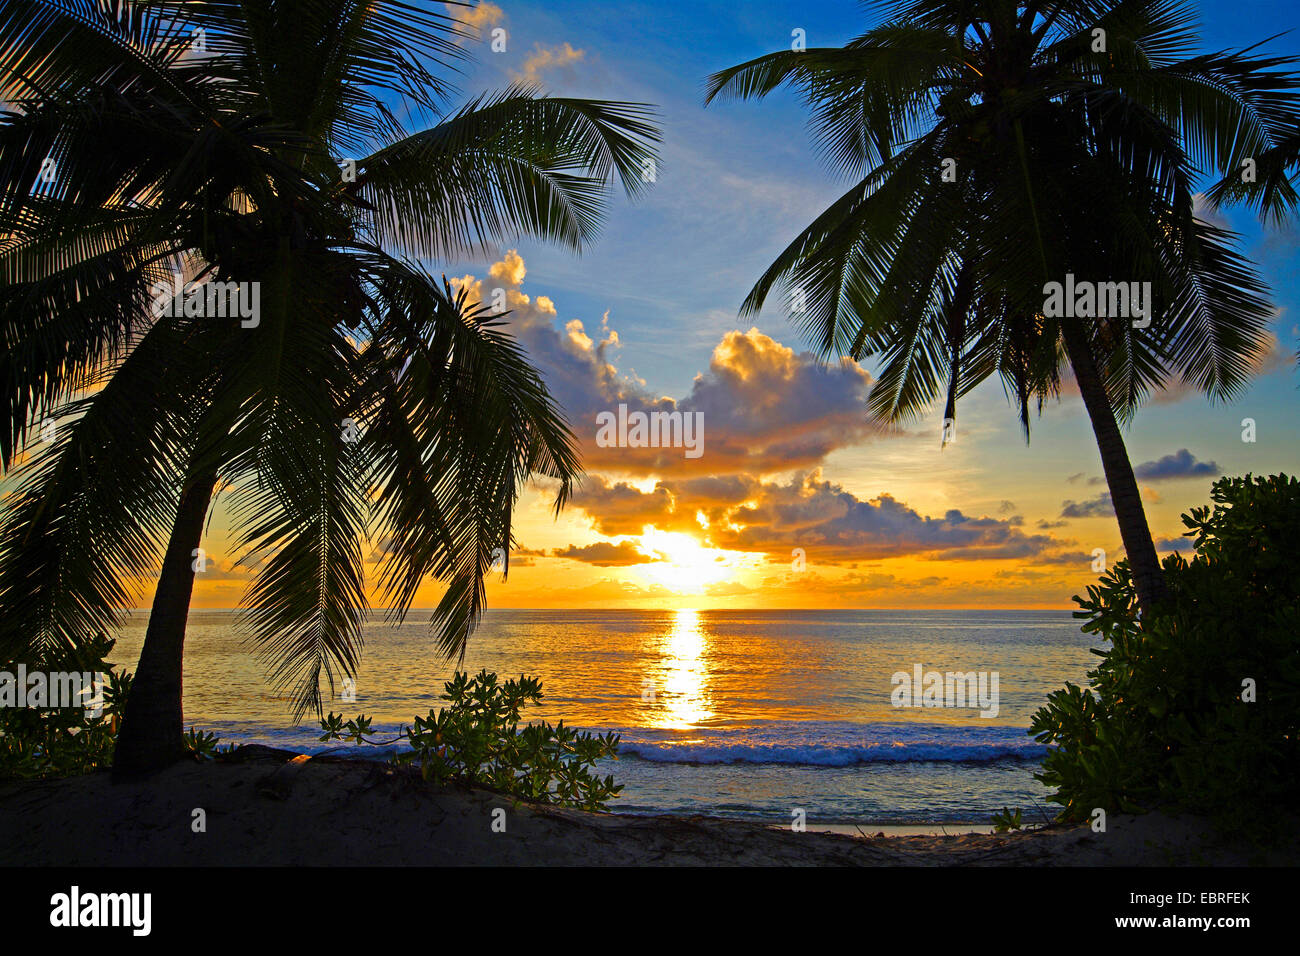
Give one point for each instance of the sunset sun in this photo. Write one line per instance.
(683, 563)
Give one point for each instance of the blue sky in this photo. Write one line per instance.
(737, 180)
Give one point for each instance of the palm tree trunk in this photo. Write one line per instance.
(152, 733)
(1148, 577)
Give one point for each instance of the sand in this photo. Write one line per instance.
(272, 807)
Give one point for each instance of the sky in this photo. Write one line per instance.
(797, 500)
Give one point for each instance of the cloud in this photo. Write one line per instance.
(546, 58)
(1181, 464)
(1069, 558)
(478, 18)
(1099, 507)
(831, 524)
(604, 554)
(764, 407)
(1174, 544)
(1275, 358)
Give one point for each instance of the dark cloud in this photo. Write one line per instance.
(1068, 558)
(1099, 507)
(1181, 464)
(604, 554)
(619, 508)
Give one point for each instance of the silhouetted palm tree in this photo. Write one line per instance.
(1001, 145)
(267, 143)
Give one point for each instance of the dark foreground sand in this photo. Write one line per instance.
(265, 808)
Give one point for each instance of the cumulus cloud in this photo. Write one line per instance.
(764, 407)
(1181, 464)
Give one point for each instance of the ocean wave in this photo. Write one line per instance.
(832, 744)
(793, 743)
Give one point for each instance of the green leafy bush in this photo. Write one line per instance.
(1006, 820)
(62, 741)
(65, 741)
(202, 746)
(476, 741)
(1170, 720)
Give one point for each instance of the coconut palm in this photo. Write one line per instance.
(1269, 187)
(997, 146)
(367, 425)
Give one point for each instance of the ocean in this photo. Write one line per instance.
(753, 714)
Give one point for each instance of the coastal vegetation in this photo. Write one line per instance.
(1197, 706)
(476, 741)
(41, 742)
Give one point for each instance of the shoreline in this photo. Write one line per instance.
(268, 807)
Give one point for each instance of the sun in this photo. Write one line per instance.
(684, 564)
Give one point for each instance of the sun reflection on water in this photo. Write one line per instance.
(685, 700)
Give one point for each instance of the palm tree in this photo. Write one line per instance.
(998, 146)
(267, 144)
(1269, 188)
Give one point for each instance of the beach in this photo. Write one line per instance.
(268, 807)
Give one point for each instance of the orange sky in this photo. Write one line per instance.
(796, 501)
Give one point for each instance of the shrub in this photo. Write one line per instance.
(1169, 720)
(61, 741)
(65, 741)
(476, 741)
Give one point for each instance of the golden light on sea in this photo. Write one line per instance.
(684, 695)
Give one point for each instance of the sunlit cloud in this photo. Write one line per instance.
(545, 58)
(765, 408)
(772, 518)
(482, 16)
